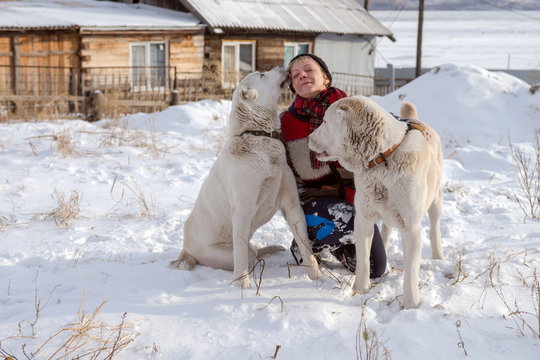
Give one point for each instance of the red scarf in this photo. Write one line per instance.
(313, 110)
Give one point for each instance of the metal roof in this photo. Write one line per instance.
(314, 16)
(91, 15)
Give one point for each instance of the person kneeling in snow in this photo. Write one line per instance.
(326, 189)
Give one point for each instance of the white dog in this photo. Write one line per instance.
(397, 172)
(247, 184)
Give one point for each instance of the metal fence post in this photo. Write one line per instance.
(96, 105)
(174, 97)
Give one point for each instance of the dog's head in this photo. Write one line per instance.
(350, 132)
(262, 88)
(255, 101)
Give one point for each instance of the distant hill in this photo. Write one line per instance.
(454, 4)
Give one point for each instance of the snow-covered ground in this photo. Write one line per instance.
(134, 182)
(499, 39)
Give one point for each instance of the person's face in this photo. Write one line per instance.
(308, 79)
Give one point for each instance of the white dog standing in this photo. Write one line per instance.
(247, 184)
(397, 171)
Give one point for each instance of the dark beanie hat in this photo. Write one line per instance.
(315, 58)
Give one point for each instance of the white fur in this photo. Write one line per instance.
(247, 184)
(399, 193)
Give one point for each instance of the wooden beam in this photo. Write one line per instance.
(14, 62)
(418, 71)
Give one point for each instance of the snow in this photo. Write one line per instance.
(491, 39)
(137, 178)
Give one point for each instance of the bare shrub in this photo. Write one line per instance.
(525, 317)
(461, 343)
(146, 205)
(526, 321)
(4, 222)
(368, 346)
(62, 143)
(156, 147)
(86, 338)
(67, 210)
(38, 308)
(120, 135)
(528, 175)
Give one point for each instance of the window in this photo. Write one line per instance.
(293, 49)
(148, 61)
(238, 59)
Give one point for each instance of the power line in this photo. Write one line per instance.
(508, 10)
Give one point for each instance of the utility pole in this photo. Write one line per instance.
(419, 38)
(366, 5)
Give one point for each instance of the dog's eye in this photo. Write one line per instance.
(261, 75)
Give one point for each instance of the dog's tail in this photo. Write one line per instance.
(184, 261)
(408, 111)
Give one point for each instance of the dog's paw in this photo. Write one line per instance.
(181, 265)
(314, 274)
(361, 286)
(184, 262)
(411, 303)
(313, 268)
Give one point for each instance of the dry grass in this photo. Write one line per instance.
(89, 338)
(526, 317)
(145, 204)
(61, 106)
(120, 135)
(67, 209)
(525, 321)
(368, 346)
(461, 343)
(528, 174)
(86, 338)
(62, 143)
(39, 305)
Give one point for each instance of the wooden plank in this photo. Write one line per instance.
(40, 98)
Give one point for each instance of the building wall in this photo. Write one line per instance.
(269, 48)
(32, 63)
(40, 49)
(185, 50)
(349, 54)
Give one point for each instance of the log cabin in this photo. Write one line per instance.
(140, 50)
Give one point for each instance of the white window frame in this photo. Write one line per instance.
(236, 44)
(147, 56)
(296, 45)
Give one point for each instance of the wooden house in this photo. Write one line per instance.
(141, 50)
(243, 36)
(52, 49)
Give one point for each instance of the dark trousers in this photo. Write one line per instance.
(331, 225)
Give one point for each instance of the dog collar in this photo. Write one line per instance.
(274, 134)
(381, 158)
(411, 125)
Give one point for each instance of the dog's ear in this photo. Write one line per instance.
(248, 94)
(343, 110)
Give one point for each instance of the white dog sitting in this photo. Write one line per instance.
(397, 169)
(247, 184)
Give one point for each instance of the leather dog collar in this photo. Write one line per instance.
(274, 134)
(411, 125)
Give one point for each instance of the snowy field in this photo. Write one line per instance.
(92, 213)
(491, 39)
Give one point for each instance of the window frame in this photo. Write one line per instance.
(296, 45)
(147, 66)
(226, 83)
